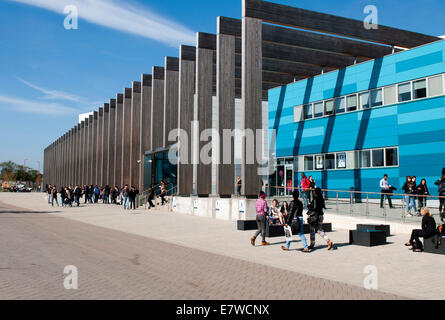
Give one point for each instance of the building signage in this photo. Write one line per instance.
(242, 206)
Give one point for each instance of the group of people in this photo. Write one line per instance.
(415, 195)
(291, 215)
(92, 194)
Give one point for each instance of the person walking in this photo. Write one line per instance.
(163, 192)
(48, 191)
(261, 211)
(150, 198)
(441, 185)
(428, 230)
(77, 195)
(422, 194)
(86, 192)
(409, 189)
(125, 197)
(316, 218)
(385, 190)
(132, 198)
(54, 196)
(305, 185)
(295, 220)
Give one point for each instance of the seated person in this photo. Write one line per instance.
(275, 213)
(284, 209)
(428, 230)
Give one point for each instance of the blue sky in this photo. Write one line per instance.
(49, 75)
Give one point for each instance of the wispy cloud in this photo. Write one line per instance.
(32, 106)
(52, 94)
(123, 17)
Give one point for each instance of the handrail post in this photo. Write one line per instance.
(336, 203)
(367, 204)
(351, 209)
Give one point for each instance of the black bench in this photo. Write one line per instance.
(367, 238)
(245, 225)
(431, 244)
(382, 227)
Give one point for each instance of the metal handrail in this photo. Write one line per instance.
(359, 192)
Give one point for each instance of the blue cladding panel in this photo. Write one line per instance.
(417, 127)
(419, 62)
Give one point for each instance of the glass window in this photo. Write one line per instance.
(364, 100)
(330, 161)
(341, 160)
(340, 105)
(376, 98)
(318, 109)
(390, 95)
(365, 159)
(377, 158)
(329, 107)
(319, 162)
(391, 157)
(352, 102)
(309, 163)
(308, 114)
(435, 86)
(404, 92)
(420, 89)
(298, 116)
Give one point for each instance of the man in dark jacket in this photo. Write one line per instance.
(295, 220)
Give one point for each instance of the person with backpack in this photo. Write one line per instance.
(262, 209)
(295, 220)
(427, 231)
(316, 217)
(441, 185)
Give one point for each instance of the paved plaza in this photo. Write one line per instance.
(160, 255)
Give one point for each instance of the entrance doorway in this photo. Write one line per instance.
(281, 182)
(157, 168)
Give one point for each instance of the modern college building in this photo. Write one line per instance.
(348, 104)
(347, 128)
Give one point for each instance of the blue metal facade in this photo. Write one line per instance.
(416, 127)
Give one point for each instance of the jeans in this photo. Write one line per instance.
(261, 222)
(305, 197)
(133, 204)
(54, 199)
(300, 234)
(318, 228)
(49, 199)
(76, 199)
(410, 203)
(126, 203)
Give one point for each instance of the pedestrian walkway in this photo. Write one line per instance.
(400, 271)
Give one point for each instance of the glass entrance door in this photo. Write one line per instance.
(284, 176)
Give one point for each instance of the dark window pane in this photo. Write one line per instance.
(392, 157)
(330, 161)
(377, 158)
(309, 163)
